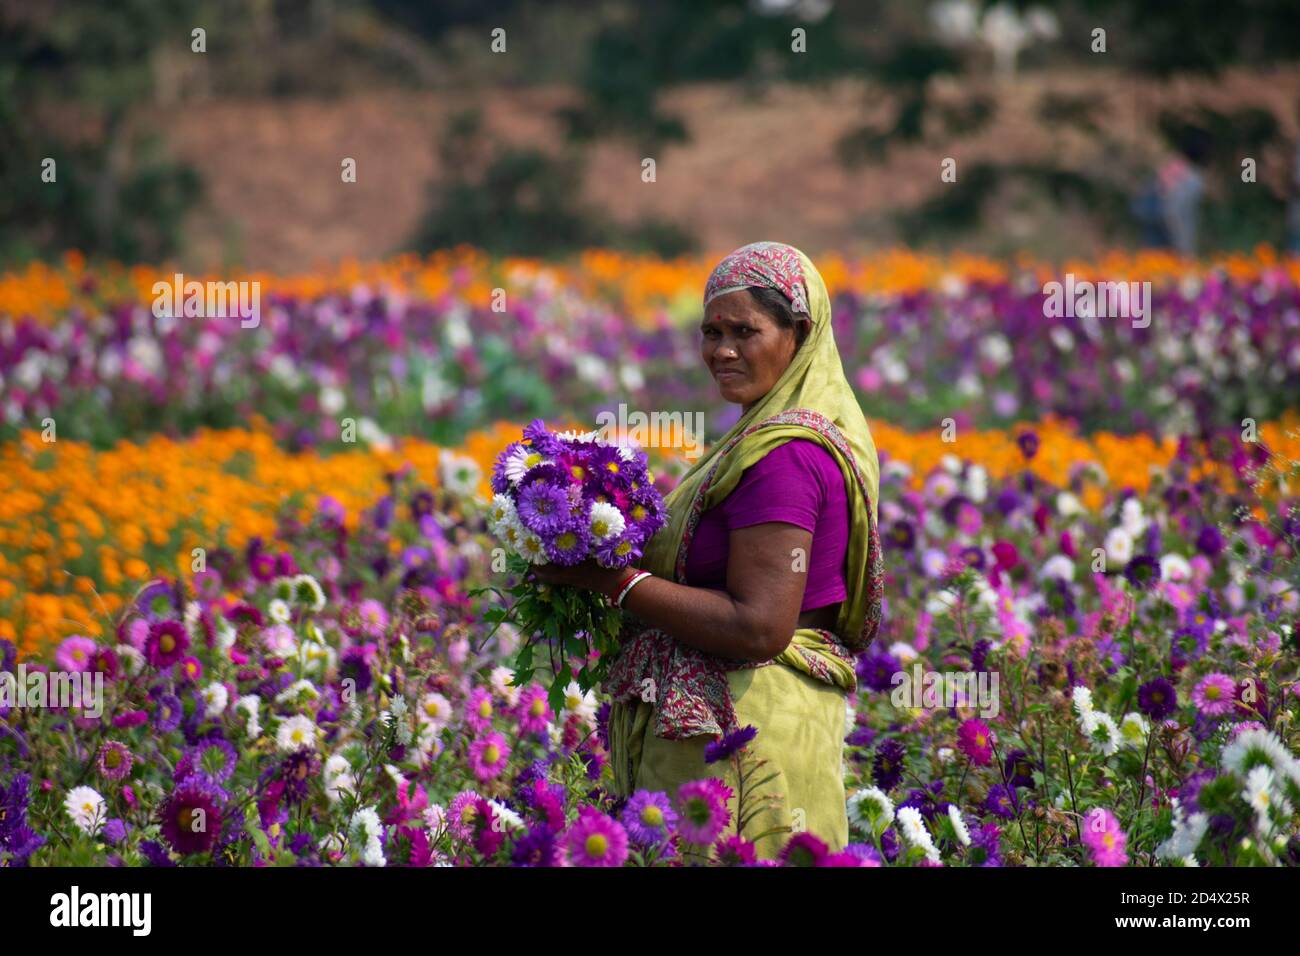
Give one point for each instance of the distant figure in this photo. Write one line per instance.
(1169, 205)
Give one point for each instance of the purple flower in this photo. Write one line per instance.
(1157, 698)
(1210, 541)
(191, 816)
(648, 817)
(887, 767)
(544, 508)
(729, 744)
(166, 643)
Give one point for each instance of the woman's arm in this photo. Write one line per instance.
(752, 620)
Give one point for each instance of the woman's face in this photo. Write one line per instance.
(743, 347)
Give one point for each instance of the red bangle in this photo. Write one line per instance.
(628, 575)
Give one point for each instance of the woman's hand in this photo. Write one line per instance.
(588, 575)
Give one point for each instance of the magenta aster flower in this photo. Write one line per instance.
(805, 849)
(478, 709)
(114, 761)
(976, 741)
(734, 850)
(703, 808)
(191, 816)
(648, 817)
(533, 711)
(595, 839)
(75, 654)
(166, 643)
(1104, 838)
(461, 813)
(1215, 694)
(488, 756)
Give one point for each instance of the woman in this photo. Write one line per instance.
(769, 643)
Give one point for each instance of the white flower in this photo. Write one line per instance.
(215, 700)
(298, 692)
(373, 435)
(278, 611)
(958, 824)
(903, 652)
(506, 814)
(248, 704)
(531, 547)
(871, 809)
(396, 715)
(338, 778)
(1260, 746)
(1100, 729)
(87, 809)
(307, 592)
(435, 818)
(132, 659)
(520, 461)
(1259, 794)
(1082, 698)
(1131, 517)
(331, 400)
(435, 710)
(500, 680)
(1058, 566)
(296, 732)
(1068, 505)
(912, 827)
(1187, 834)
(1119, 546)
(367, 826)
(1133, 728)
(1174, 567)
(606, 521)
(500, 513)
(580, 703)
(460, 473)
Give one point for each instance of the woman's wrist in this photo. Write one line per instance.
(632, 582)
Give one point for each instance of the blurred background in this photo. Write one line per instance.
(1067, 141)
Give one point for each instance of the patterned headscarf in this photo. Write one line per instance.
(812, 400)
(771, 265)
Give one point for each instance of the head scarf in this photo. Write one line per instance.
(811, 400)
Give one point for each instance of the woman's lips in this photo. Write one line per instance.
(727, 373)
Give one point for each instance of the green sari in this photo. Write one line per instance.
(671, 700)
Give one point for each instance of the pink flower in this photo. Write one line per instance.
(533, 710)
(1215, 695)
(595, 839)
(976, 741)
(75, 654)
(702, 810)
(478, 709)
(488, 756)
(1104, 838)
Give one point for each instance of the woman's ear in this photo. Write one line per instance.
(803, 326)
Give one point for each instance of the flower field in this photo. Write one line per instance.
(297, 669)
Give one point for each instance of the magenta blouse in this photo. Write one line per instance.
(798, 483)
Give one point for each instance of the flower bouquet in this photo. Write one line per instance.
(565, 498)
